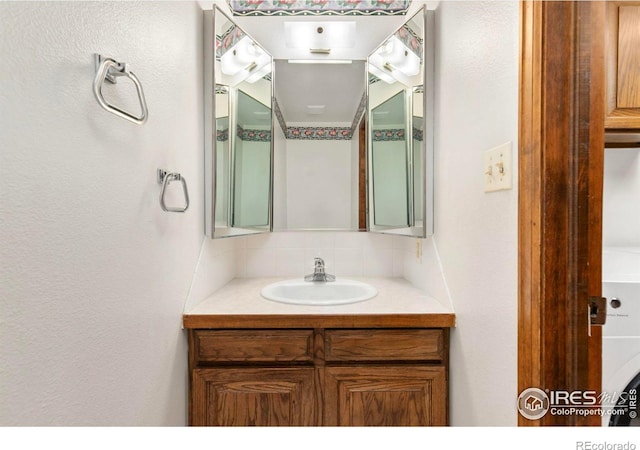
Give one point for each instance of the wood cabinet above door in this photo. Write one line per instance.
(622, 52)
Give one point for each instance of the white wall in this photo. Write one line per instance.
(475, 240)
(621, 221)
(346, 254)
(94, 276)
(319, 174)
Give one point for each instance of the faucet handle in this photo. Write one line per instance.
(318, 272)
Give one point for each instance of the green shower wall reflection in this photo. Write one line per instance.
(252, 159)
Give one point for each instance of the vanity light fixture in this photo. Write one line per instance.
(395, 60)
(239, 57)
(320, 35)
(245, 61)
(400, 57)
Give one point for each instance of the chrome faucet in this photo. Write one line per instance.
(318, 272)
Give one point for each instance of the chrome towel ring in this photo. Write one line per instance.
(107, 69)
(165, 178)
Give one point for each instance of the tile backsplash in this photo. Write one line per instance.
(347, 254)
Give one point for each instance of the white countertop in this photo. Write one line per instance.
(241, 296)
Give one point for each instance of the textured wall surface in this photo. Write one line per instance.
(94, 275)
(475, 232)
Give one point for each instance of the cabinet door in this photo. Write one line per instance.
(622, 47)
(386, 395)
(253, 396)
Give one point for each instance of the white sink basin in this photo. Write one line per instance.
(319, 293)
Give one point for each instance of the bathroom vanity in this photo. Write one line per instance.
(384, 361)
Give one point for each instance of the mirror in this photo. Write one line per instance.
(318, 181)
(238, 130)
(390, 158)
(400, 130)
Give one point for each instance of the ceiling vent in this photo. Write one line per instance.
(315, 110)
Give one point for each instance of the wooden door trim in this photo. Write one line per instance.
(362, 174)
(561, 140)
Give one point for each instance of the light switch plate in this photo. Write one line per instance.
(497, 168)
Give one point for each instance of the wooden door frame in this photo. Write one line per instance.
(561, 140)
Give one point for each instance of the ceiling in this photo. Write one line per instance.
(338, 87)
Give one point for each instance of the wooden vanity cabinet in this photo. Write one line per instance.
(312, 377)
(253, 396)
(252, 377)
(622, 50)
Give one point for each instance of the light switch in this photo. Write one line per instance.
(497, 168)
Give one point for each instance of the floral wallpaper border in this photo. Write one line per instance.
(418, 134)
(410, 39)
(253, 135)
(222, 135)
(359, 112)
(317, 133)
(279, 116)
(395, 134)
(319, 7)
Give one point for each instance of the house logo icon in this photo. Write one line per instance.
(533, 403)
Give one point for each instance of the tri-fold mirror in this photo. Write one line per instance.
(238, 130)
(400, 130)
(274, 164)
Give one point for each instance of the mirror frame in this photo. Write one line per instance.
(427, 228)
(210, 145)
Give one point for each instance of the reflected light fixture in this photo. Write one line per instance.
(239, 57)
(394, 60)
(245, 61)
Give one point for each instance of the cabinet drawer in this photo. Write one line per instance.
(252, 345)
(384, 345)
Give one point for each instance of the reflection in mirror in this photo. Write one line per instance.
(318, 184)
(223, 155)
(400, 130)
(417, 133)
(252, 157)
(238, 130)
(389, 162)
